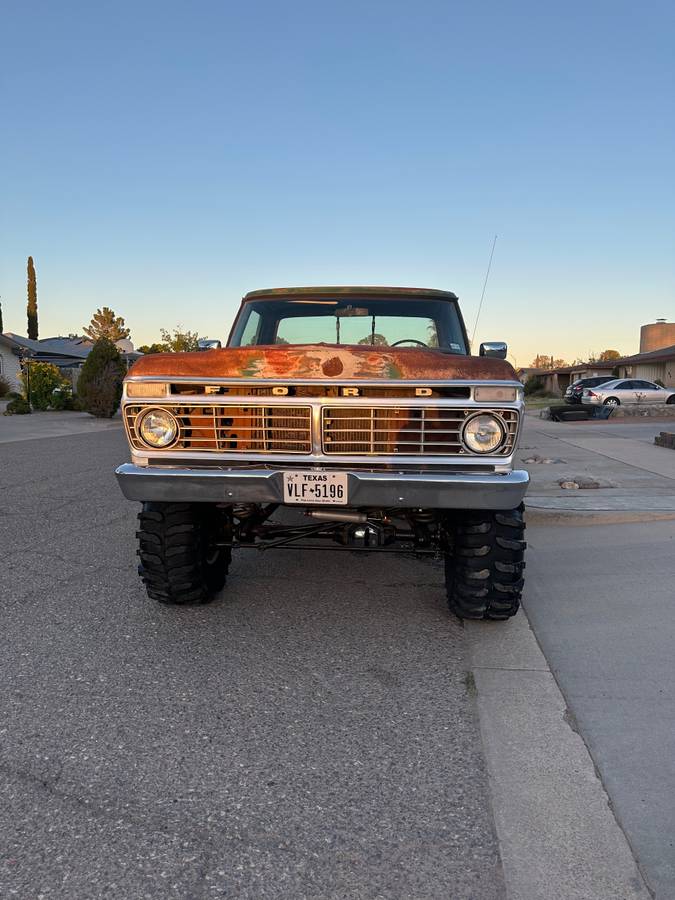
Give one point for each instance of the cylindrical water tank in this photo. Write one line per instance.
(657, 335)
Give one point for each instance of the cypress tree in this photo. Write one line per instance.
(31, 308)
(99, 387)
(1, 325)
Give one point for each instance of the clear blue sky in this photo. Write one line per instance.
(164, 158)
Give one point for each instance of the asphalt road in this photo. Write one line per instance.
(601, 601)
(311, 734)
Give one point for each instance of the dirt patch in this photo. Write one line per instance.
(584, 483)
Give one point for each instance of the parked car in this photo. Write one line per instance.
(576, 389)
(627, 391)
(360, 407)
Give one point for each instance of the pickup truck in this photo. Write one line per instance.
(344, 418)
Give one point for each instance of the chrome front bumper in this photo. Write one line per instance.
(429, 490)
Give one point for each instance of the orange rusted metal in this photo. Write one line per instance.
(321, 361)
(350, 290)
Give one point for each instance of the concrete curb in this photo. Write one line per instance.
(594, 504)
(549, 516)
(558, 836)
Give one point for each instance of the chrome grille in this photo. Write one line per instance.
(233, 428)
(403, 430)
(343, 429)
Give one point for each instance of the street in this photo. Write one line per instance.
(308, 735)
(324, 729)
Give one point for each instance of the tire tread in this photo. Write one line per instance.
(484, 563)
(172, 546)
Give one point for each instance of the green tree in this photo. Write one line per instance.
(31, 308)
(180, 341)
(99, 389)
(547, 362)
(45, 378)
(105, 324)
(378, 340)
(153, 348)
(609, 355)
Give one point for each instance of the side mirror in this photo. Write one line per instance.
(208, 344)
(496, 349)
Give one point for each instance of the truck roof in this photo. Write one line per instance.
(359, 290)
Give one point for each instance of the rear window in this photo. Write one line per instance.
(592, 382)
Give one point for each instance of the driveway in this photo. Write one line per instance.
(40, 425)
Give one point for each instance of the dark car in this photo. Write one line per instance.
(576, 389)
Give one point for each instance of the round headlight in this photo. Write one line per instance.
(157, 427)
(483, 433)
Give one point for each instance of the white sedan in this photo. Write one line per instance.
(627, 390)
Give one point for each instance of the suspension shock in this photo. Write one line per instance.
(422, 522)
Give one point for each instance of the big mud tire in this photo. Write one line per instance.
(179, 562)
(484, 563)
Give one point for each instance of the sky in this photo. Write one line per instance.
(165, 158)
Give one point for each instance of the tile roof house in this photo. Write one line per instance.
(68, 353)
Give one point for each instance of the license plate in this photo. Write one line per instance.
(326, 488)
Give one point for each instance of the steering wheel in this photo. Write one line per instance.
(409, 341)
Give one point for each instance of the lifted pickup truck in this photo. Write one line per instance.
(358, 407)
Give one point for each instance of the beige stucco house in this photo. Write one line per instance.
(9, 360)
(657, 365)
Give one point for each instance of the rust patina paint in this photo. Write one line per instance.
(333, 367)
(290, 361)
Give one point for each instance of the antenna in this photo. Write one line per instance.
(482, 296)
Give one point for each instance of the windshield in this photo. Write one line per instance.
(381, 322)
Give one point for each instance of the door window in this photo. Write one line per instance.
(250, 334)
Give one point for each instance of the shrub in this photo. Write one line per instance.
(99, 389)
(17, 407)
(534, 385)
(5, 386)
(62, 398)
(45, 379)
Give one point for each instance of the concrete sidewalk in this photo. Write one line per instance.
(600, 601)
(53, 424)
(558, 836)
(633, 474)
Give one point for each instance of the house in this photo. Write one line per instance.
(556, 381)
(10, 360)
(592, 369)
(524, 372)
(68, 353)
(656, 365)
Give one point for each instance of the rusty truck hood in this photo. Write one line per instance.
(289, 361)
